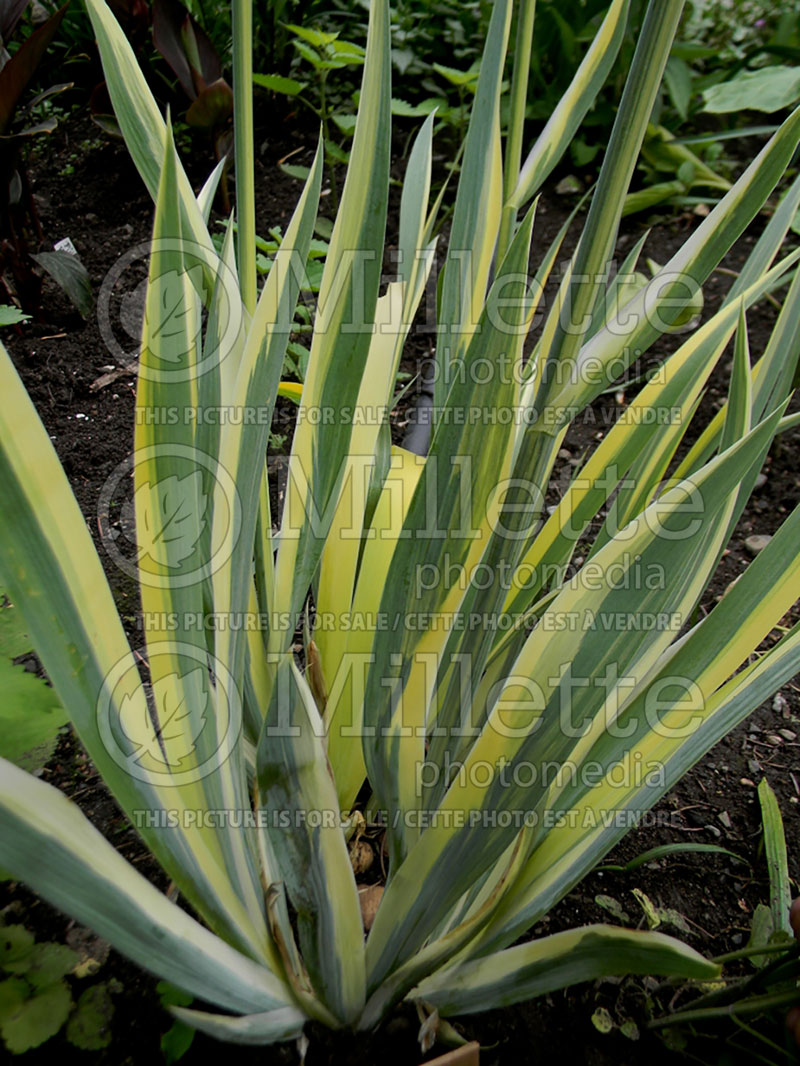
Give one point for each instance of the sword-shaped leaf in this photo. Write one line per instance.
(172, 512)
(342, 335)
(47, 841)
(571, 109)
(303, 826)
(556, 962)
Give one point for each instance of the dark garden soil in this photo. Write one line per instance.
(88, 190)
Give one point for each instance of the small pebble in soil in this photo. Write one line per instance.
(780, 705)
(761, 481)
(756, 543)
(568, 185)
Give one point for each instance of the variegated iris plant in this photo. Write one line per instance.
(467, 639)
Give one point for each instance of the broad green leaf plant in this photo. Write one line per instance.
(508, 686)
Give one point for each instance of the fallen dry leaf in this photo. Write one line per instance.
(92, 950)
(468, 1055)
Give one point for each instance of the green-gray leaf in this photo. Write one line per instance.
(769, 89)
(69, 272)
(276, 83)
(49, 963)
(30, 717)
(89, 1026)
(26, 1023)
(16, 946)
(10, 316)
